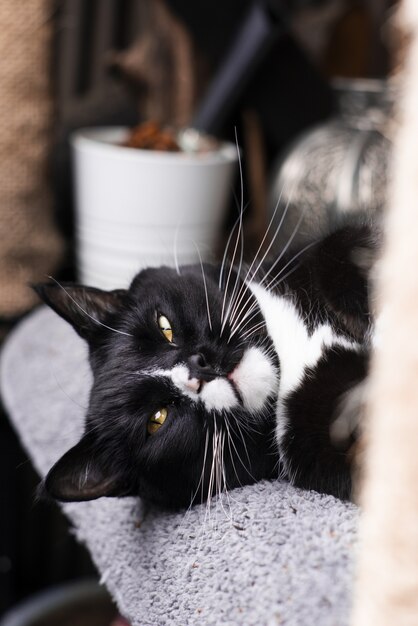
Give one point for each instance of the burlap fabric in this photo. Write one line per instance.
(30, 247)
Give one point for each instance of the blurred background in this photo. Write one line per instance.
(302, 83)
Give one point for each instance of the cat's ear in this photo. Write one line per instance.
(85, 308)
(81, 475)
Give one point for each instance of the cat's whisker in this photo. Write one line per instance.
(292, 260)
(81, 406)
(205, 523)
(230, 451)
(205, 286)
(231, 265)
(231, 300)
(244, 286)
(293, 474)
(233, 305)
(251, 274)
(220, 472)
(219, 486)
(230, 498)
(216, 457)
(208, 504)
(212, 469)
(204, 464)
(275, 282)
(175, 250)
(249, 333)
(252, 312)
(228, 243)
(225, 486)
(233, 309)
(225, 255)
(249, 430)
(268, 273)
(248, 337)
(246, 319)
(282, 475)
(239, 456)
(238, 239)
(286, 247)
(235, 448)
(245, 426)
(238, 271)
(115, 330)
(246, 329)
(199, 486)
(243, 442)
(207, 515)
(270, 352)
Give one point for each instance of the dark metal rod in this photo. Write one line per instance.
(258, 33)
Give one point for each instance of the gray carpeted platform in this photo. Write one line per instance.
(272, 555)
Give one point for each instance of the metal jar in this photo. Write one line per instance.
(337, 170)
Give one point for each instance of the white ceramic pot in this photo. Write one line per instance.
(134, 207)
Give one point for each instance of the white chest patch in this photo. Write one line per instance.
(296, 348)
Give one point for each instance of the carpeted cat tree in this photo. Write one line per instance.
(271, 554)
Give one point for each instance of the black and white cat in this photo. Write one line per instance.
(209, 378)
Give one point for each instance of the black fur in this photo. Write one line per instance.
(313, 461)
(117, 456)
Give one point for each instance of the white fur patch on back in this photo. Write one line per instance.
(296, 348)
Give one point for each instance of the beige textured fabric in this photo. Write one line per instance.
(30, 247)
(387, 589)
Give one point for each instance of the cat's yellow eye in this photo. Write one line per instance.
(165, 326)
(156, 421)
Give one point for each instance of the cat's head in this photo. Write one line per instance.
(183, 395)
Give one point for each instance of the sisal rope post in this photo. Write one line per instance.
(30, 247)
(387, 586)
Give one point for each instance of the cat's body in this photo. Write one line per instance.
(207, 379)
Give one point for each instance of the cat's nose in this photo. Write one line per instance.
(200, 368)
(198, 361)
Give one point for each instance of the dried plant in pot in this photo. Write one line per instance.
(141, 199)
